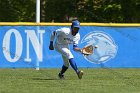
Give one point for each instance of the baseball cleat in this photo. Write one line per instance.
(61, 76)
(80, 74)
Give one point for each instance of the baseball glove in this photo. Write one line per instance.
(88, 50)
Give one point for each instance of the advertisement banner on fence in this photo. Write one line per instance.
(28, 47)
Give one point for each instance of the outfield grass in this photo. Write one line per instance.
(46, 81)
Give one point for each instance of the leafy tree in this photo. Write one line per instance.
(17, 10)
(59, 10)
(66, 10)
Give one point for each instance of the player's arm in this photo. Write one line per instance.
(76, 48)
(75, 43)
(51, 47)
(88, 50)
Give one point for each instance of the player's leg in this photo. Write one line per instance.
(64, 67)
(74, 66)
(67, 53)
(64, 50)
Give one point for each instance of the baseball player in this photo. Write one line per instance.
(64, 37)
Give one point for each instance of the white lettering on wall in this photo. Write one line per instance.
(18, 46)
(37, 44)
(36, 39)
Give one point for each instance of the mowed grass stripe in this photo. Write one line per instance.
(46, 81)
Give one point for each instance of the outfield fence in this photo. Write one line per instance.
(25, 45)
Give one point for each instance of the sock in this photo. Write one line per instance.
(64, 68)
(73, 65)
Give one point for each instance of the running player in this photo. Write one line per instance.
(64, 37)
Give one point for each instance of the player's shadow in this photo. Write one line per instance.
(44, 79)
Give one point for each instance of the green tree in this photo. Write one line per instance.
(17, 10)
(59, 10)
(115, 11)
(130, 10)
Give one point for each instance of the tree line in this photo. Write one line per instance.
(107, 11)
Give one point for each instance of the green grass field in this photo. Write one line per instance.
(46, 81)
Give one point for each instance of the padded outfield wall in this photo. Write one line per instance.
(22, 45)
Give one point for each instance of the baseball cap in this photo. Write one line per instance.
(76, 23)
